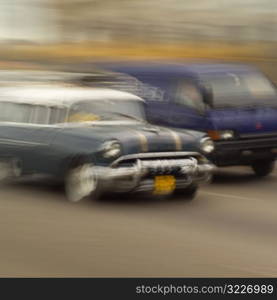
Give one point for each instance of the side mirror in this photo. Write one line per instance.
(208, 99)
(207, 95)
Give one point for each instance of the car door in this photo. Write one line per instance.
(13, 118)
(22, 139)
(40, 156)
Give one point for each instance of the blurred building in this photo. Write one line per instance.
(141, 20)
(28, 21)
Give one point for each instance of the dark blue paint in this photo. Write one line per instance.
(258, 120)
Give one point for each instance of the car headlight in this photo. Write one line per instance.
(111, 149)
(221, 135)
(207, 145)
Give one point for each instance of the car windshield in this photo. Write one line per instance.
(249, 89)
(107, 110)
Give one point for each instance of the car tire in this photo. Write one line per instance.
(81, 182)
(263, 168)
(188, 193)
(9, 168)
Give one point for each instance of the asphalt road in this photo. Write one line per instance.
(228, 230)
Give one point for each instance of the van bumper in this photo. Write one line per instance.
(244, 152)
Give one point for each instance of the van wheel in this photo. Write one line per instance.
(188, 193)
(263, 168)
(80, 182)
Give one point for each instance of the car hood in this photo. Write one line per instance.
(134, 137)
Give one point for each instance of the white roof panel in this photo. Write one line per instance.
(58, 95)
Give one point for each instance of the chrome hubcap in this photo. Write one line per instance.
(82, 181)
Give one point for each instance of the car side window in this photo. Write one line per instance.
(15, 112)
(259, 86)
(31, 114)
(57, 115)
(44, 115)
(40, 114)
(188, 94)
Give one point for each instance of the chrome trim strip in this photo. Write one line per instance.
(177, 139)
(20, 142)
(258, 135)
(143, 140)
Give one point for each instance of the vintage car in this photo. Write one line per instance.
(235, 104)
(96, 140)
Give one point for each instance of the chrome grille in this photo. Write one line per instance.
(168, 166)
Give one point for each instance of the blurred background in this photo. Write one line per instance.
(86, 29)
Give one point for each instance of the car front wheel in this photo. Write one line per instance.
(263, 168)
(81, 182)
(9, 168)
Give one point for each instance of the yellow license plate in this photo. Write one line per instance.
(164, 184)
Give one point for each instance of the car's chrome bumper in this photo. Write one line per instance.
(140, 175)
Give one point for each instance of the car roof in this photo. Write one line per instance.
(57, 95)
(178, 68)
(55, 77)
(35, 75)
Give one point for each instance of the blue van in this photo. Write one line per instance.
(235, 104)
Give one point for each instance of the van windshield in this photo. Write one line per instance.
(247, 89)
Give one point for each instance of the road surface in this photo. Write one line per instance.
(228, 230)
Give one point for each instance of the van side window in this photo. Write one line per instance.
(188, 94)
